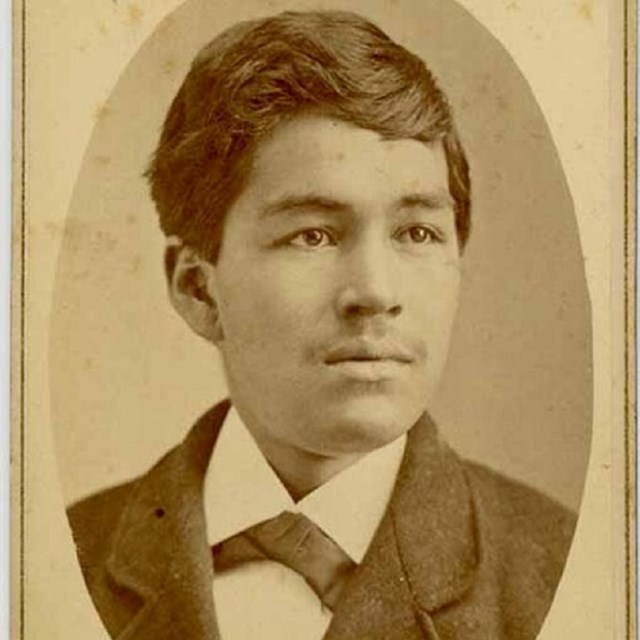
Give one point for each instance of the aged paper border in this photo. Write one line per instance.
(630, 293)
(20, 330)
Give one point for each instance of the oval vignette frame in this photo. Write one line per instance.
(128, 379)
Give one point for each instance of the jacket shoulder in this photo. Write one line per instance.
(531, 526)
(94, 521)
(101, 505)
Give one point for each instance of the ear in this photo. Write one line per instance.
(191, 281)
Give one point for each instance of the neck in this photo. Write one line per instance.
(302, 472)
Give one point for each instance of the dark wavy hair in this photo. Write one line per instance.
(258, 74)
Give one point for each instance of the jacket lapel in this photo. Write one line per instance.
(377, 604)
(423, 556)
(161, 551)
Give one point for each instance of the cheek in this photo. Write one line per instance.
(246, 315)
(266, 312)
(434, 296)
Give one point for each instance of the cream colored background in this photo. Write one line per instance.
(128, 378)
(569, 52)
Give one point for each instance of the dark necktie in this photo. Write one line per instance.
(296, 542)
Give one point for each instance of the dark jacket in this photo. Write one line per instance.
(461, 553)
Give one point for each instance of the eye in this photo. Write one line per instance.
(312, 238)
(419, 234)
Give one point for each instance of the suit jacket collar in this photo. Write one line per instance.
(160, 551)
(422, 557)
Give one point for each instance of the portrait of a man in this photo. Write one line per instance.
(317, 203)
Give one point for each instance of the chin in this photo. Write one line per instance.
(366, 424)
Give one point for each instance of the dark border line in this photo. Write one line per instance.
(625, 248)
(23, 327)
(630, 261)
(630, 277)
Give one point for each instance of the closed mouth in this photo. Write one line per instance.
(365, 352)
(332, 361)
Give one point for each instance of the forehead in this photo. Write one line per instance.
(333, 159)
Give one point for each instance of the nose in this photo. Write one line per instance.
(369, 283)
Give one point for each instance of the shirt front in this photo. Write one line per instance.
(267, 599)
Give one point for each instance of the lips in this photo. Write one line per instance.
(365, 351)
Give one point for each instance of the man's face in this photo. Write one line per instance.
(336, 287)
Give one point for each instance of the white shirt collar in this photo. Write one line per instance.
(241, 489)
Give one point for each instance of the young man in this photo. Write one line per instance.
(316, 201)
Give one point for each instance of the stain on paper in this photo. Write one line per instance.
(169, 67)
(101, 111)
(502, 103)
(134, 14)
(585, 9)
(134, 265)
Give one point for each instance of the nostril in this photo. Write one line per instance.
(368, 299)
(371, 310)
(357, 310)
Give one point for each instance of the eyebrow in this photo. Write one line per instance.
(434, 200)
(438, 199)
(296, 204)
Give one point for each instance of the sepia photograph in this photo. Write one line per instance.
(330, 335)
